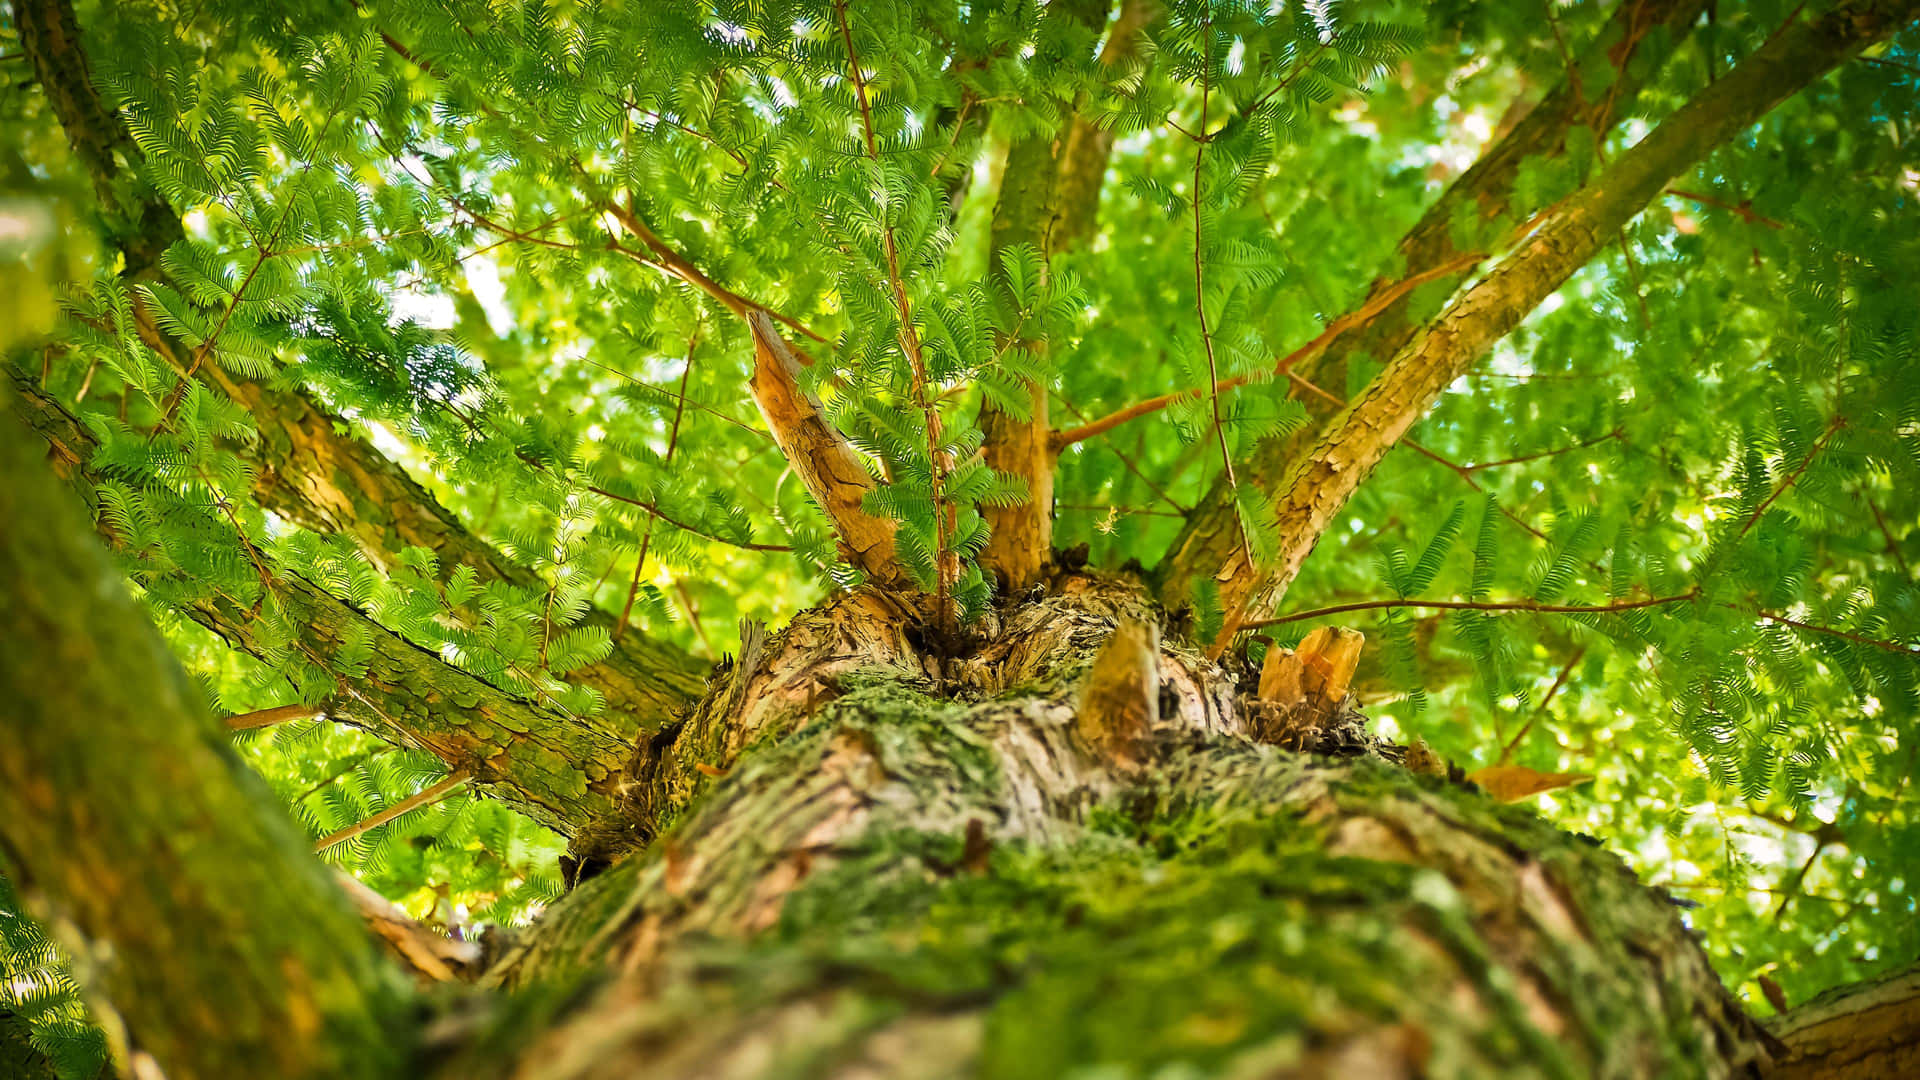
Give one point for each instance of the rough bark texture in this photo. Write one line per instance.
(825, 461)
(1634, 45)
(561, 770)
(222, 943)
(920, 866)
(1867, 1031)
(1357, 438)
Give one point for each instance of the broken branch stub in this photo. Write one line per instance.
(1302, 688)
(1120, 700)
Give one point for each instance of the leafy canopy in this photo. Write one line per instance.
(499, 239)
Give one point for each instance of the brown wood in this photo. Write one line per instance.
(412, 802)
(822, 457)
(1866, 1031)
(1355, 440)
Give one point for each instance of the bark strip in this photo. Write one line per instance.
(121, 805)
(1572, 233)
(822, 457)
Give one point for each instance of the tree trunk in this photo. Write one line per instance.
(1061, 842)
(1063, 850)
(1054, 846)
(125, 814)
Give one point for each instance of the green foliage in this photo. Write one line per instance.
(407, 209)
(37, 986)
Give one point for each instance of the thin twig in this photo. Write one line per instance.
(1476, 605)
(693, 614)
(413, 802)
(279, 714)
(1633, 279)
(654, 509)
(1524, 458)
(683, 399)
(1158, 489)
(1791, 478)
(1463, 472)
(1893, 545)
(673, 443)
(1506, 752)
(945, 565)
(1744, 208)
(1830, 631)
(1359, 317)
(1200, 290)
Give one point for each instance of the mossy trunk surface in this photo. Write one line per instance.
(1054, 845)
(1049, 851)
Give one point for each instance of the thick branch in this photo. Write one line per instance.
(308, 470)
(1858, 1032)
(1634, 43)
(1356, 439)
(120, 803)
(1049, 198)
(560, 770)
(822, 457)
(430, 957)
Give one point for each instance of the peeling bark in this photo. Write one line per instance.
(822, 457)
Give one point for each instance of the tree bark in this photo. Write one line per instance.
(1861, 1032)
(310, 469)
(1050, 200)
(1016, 863)
(1633, 47)
(1357, 438)
(865, 855)
(220, 941)
(560, 770)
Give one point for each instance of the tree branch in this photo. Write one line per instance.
(1476, 605)
(308, 470)
(1356, 439)
(946, 564)
(120, 803)
(1049, 199)
(560, 770)
(424, 797)
(283, 714)
(1358, 318)
(1868, 1029)
(1630, 45)
(822, 457)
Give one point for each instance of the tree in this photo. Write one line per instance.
(443, 379)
